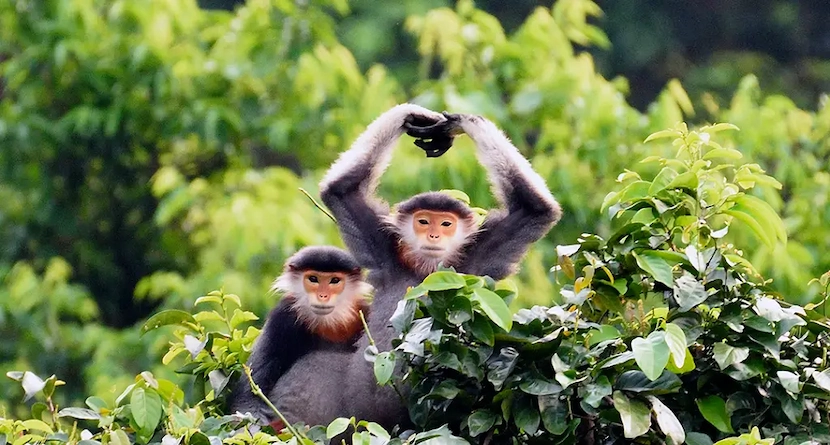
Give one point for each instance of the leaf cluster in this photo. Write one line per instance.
(666, 333)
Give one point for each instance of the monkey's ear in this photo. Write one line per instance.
(291, 268)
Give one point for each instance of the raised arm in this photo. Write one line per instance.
(348, 188)
(529, 210)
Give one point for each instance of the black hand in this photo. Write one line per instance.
(434, 138)
(435, 147)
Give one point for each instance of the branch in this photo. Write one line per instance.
(258, 392)
(317, 204)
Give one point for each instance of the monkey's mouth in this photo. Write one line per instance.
(319, 309)
(432, 250)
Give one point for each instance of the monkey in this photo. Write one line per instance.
(401, 249)
(323, 293)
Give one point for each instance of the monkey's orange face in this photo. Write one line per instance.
(435, 231)
(322, 289)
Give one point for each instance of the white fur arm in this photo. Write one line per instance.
(514, 181)
(362, 165)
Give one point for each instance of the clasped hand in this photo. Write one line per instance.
(435, 138)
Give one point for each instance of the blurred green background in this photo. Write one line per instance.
(152, 152)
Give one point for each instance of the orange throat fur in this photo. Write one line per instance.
(342, 328)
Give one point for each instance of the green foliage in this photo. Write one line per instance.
(667, 330)
(154, 410)
(156, 150)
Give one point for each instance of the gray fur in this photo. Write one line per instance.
(289, 331)
(330, 384)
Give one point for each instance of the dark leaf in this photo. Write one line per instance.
(594, 392)
(480, 421)
(554, 414)
(500, 367)
(482, 330)
(540, 387)
(636, 381)
(526, 415)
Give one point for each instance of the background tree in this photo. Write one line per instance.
(153, 152)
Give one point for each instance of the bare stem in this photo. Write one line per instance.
(317, 204)
(366, 328)
(258, 392)
(372, 343)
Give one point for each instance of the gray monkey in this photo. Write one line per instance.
(401, 249)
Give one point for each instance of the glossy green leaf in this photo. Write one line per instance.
(636, 381)
(698, 439)
(664, 178)
(378, 431)
(725, 153)
(384, 367)
(596, 391)
(494, 307)
(145, 406)
(605, 332)
(336, 427)
(554, 414)
(662, 134)
(714, 411)
(167, 317)
(655, 266)
(443, 280)
(480, 421)
(789, 380)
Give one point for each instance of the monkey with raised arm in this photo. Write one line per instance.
(323, 294)
(401, 249)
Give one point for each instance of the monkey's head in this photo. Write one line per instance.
(433, 228)
(325, 286)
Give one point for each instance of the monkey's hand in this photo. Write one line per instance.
(435, 138)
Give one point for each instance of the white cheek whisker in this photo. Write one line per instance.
(409, 244)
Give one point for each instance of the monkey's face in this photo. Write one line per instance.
(322, 290)
(435, 231)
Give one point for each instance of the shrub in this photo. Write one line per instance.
(665, 319)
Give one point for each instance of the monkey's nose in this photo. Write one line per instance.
(322, 297)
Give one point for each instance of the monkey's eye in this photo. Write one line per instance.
(334, 280)
(423, 222)
(313, 278)
(446, 223)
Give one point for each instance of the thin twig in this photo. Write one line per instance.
(317, 204)
(366, 328)
(258, 392)
(372, 343)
